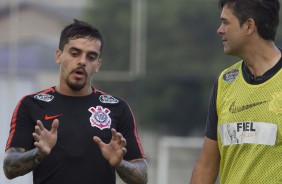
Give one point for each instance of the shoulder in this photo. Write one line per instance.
(106, 98)
(43, 95)
(230, 73)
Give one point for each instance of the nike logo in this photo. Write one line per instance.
(233, 109)
(52, 117)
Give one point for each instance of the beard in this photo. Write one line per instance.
(76, 85)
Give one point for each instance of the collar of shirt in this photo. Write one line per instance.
(251, 79)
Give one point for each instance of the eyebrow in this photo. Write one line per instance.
(223, 19)
(77, 49)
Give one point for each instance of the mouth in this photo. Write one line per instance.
(79, 73)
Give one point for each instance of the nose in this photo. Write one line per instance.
(220, 30)
(82, 60)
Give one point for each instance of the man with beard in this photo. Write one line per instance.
(73, 133)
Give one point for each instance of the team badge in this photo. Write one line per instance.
(231, 75)
(108, 99)
(44, 97)
(275, 104)
(100, 117)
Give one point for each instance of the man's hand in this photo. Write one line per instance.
(19, 161)
(45, 140)
(115, 150)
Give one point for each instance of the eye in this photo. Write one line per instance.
(92, 57)
(74, 53)
(225, 22)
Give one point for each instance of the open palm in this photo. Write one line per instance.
(45, 140)
(115, 150)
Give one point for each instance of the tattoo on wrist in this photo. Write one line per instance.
(18, 162)
(133, 173)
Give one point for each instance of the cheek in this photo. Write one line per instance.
(64, 72)
(91, 70)
(96, 66)
(66, 68)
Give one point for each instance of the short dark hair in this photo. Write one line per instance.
(79, 29)
(264, 12)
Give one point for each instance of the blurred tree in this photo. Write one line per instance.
(180, 46)
(113, 20)
(184, 55)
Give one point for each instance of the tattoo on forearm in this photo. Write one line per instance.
(133, 173)
(18, 162)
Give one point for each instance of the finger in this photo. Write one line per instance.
(55, 126)
(123, 142)
(121, 152)
(37, 130)
(115, 138)
(119, 135)
(113, 130)
(98, 141)
(114, 134)
(37, 140)
(35, 137)
(124, 151)
(40, 148)
(39, 123)
(36, 144)
(119, 138)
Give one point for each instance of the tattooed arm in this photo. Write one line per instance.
(134, 172)
(18, 162)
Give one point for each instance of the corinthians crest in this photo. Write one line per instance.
(100, 117)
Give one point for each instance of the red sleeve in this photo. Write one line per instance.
(21, 127)
(127, 127)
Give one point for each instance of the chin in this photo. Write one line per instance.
(77, 86)
(227, 51)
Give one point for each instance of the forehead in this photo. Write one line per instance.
(227, 13)
(84, 44)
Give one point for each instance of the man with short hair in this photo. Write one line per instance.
(54, 131)
(246, 98)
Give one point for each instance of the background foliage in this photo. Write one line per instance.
(184, 56)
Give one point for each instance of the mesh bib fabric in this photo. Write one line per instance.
(249, 128)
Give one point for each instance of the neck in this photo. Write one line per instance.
(69, 92)
(261, 59)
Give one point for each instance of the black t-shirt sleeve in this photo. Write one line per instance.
(212, 119)
(127, 127)
(22, 127)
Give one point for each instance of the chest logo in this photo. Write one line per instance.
(275, 104)
(100, 117)
(108, 99)
(44, 97)
(235, 109)
(52, 117)
(231, 75)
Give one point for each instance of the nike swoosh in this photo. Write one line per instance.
(52, 117)
(233, 109)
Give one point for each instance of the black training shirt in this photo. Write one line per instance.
(75, 157)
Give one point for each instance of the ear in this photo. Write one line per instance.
(250, 26)
(58, 56)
